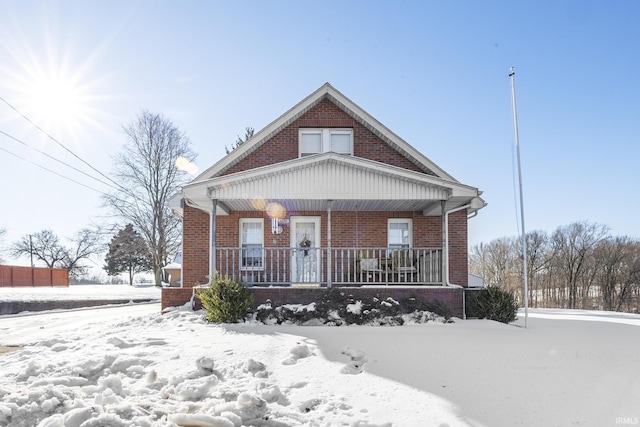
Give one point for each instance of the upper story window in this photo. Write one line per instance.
(315, 141)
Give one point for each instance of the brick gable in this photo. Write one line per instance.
(284, 145)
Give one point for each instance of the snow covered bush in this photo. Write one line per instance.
(414, 304)
(338, 307)
(496, 304)
(225, 301)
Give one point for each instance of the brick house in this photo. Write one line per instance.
(326, 196)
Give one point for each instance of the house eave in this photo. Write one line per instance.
(309, 183)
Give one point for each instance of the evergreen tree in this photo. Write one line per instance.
(128, 252)
(248, 133)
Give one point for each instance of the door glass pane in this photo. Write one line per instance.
(305, 230)
(306, 259)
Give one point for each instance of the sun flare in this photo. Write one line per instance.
(56, 101)
(53, 84)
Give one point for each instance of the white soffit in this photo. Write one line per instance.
(330, 177)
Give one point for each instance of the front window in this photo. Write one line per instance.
(316, 141)
(399, 233)
(251, 243)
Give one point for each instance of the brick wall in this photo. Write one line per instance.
(284, 145)
(175, 297)
(349, 229)
(458, 249)
(195, 246)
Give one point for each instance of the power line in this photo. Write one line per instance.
(57, 160)
(52, 171)
(59, 143)
(65, 177)
(119, 187)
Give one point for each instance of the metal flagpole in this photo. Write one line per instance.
(512, 74)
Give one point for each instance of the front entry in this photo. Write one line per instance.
(306, 253)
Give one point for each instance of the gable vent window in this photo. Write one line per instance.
(315, 141)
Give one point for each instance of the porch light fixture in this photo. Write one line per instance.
(275, 227)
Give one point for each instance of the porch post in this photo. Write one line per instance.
(329, 258)
(445, 249)
(212, 238)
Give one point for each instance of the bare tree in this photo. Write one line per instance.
(43, 246)
(611, 254)
(537, 261)
(147, 174)
(571, 245)
(578, 265)
(46, 247)
(630, 285)
(496, 262)
(86, 243)
(618, 274)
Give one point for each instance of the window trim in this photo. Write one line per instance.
(241, 222)
(325, 139)
(408, 221)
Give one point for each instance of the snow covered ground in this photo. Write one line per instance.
(75, 292)
(131, 365)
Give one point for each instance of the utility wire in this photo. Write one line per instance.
(120, 187)
(59, 143)
(57, 160)
(52, 171)
(65, 177)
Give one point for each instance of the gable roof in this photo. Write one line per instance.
(312, 182)
(326, 91)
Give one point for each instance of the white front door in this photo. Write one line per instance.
(306, 253)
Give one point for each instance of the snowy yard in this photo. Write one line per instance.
(133, 366)
(75, 292)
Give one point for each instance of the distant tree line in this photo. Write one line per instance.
(580, 265)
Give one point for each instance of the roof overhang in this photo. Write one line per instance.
(316, 182)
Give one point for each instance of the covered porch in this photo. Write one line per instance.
(325, 220)
(322, 266)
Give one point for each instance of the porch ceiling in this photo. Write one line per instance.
(336, 205)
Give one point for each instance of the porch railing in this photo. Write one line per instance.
(258, 266)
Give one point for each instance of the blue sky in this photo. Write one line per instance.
(434, 72)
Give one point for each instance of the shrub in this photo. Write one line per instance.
(496, 304)
(225, 301)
